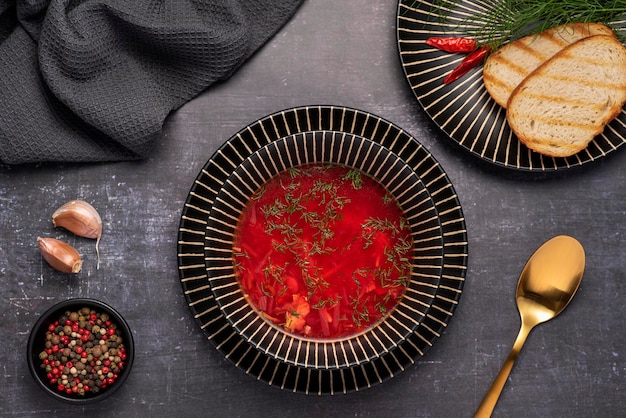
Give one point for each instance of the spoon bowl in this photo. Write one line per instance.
(545, 287)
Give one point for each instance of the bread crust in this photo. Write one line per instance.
(569, 99)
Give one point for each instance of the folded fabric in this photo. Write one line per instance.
(93, 80)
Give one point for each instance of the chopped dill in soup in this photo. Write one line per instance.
(323, 251)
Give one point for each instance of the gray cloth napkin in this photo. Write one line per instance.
(93, 80)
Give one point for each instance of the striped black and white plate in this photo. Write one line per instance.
(315, 366)
(463, 109)
(322, 148)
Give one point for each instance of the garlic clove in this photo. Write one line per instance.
(60, 255)
(82, 219)
(79, 217)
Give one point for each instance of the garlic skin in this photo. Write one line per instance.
(82, 219)
(79, 217)
(60, 255)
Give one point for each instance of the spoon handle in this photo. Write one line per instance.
(491, 398)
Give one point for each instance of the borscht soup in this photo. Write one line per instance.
(323, 251)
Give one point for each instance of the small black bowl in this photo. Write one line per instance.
(37, 341)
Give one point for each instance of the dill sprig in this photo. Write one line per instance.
(501, 21)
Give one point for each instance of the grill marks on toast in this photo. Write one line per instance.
(563, 104)
(505, 69)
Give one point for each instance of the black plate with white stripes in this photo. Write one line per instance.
(194, 235)
(463, 109)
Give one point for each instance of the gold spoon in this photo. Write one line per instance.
(547, 284)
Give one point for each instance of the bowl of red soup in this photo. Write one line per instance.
(323, 250)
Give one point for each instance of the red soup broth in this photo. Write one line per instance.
(323, 251)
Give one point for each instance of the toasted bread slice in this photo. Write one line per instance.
(562, 105)
(509, 65)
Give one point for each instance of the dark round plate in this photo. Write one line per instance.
(193, 268)
(464, 110)
(323, 148)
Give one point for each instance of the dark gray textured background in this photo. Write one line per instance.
(337, 53)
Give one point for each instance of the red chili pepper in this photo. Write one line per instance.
(453, 44)
(472, 60)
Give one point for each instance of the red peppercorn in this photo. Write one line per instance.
(51, 327)
(61, 387)
(111, 331)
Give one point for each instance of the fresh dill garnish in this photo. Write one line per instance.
(356, 177)
(503, 21)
